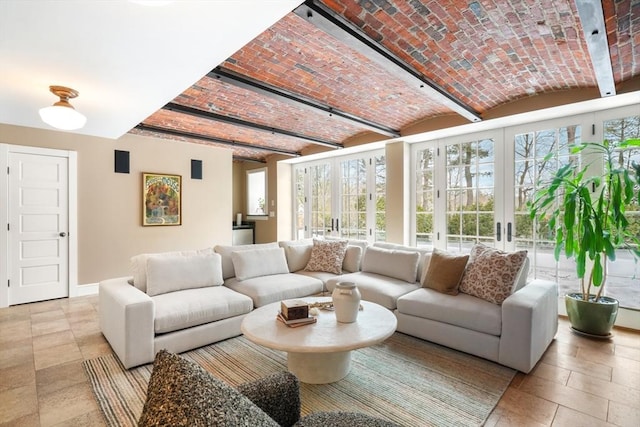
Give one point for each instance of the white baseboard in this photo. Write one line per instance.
(88, 289)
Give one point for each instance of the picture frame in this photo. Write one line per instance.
(161, 199)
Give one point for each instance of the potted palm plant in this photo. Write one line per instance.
(587, 217)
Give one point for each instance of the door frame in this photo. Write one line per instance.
(72, 157)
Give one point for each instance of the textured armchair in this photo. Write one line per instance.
(181, 393)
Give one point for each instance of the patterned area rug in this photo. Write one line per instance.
(405, 380)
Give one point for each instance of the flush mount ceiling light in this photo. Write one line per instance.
(62, 115)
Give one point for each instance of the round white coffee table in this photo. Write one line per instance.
(319, 353)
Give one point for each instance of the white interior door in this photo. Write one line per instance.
(38, 267)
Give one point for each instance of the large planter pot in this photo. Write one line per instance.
(591, 317)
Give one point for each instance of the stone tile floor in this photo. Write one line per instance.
(578, 382)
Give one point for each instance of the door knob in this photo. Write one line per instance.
(63, 234)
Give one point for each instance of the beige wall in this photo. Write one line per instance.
(110, 207)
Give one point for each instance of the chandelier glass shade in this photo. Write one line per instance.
(62, 115)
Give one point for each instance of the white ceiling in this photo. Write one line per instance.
(126, 58)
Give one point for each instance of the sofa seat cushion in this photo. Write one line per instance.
(460, 310)
(193, 307)
(277, 287)
(320, 275)
(376, 288)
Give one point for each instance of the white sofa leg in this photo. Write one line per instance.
(529, 324)
(126, 321)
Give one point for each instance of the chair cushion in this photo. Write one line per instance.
(259, 262)
(192, 307)
(342, 419)
(181, 393)
(170, 273)
(394, 263)
(277, 287)
(492, 274)
(461, 310)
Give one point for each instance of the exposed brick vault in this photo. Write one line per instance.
(482, 53)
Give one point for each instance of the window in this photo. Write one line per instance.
(257, 192)
(342, 197)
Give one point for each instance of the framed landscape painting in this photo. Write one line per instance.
(161, 199)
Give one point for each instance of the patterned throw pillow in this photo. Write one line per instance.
(327, 255)
(491, 274)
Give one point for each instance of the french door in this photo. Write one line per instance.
(342, 197)
(456, 182)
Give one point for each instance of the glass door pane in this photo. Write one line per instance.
(425, 196)
(470, 194)
(623, 275)
(299, 203)
(321, 214)
(531, 166)
(380, 196)
(353, 199)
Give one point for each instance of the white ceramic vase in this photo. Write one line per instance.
(346, 302)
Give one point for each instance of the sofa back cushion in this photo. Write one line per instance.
(139, 264)
(402, 265)
(170, 273)
(352, 259)
(226, 251)
(259, 262)
(492, 274)
(297, 256)
(423, 251)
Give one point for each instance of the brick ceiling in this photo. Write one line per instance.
(481, 54)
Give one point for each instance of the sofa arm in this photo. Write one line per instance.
(126, 321)
(529, 324)
(278, 395)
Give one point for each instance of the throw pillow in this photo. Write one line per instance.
(181, 393)
(445, 271)
(327, 255)
(398, 264)
(174, 273)
(259, 262)
(491, 274)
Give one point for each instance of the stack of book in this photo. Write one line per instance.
(294, 313)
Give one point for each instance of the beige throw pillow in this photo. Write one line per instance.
(327, 256)
(444, 272)
(491, 274)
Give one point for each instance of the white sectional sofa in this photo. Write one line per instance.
(183, 300)
(514, 333)
(143, 314)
